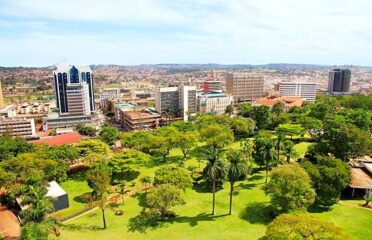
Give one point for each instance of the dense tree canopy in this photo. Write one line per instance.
(290, 188)
(176, 176)
(287, 226)
(329, 177)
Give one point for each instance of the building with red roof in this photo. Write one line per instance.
(67, 138)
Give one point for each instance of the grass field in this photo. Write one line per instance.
(251, 213)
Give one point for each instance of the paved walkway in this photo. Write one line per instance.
(351, 205)
(9, 225)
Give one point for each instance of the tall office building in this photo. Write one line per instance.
(176, 99)
(339, 80)
(74, 90)
(244, 87)
(306, 91)
(1, 97)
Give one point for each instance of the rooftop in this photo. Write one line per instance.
(68, 138)
(212, 95)
(288, 101)
(54, 190)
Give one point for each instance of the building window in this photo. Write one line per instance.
(74, 75)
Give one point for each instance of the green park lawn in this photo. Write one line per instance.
(251, 212)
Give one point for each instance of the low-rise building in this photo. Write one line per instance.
(137, 120)
(215, 103)
(289, 102)
(120, 108)
(9, 111)
(17, 127)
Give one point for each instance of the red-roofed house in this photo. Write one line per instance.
(289, 102)
(68, 138)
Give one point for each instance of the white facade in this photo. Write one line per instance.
(306, 91)
(175, 99)
(17, 127)
(214, 103)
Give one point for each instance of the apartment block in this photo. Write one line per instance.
(306, 91)
(17, 127)
(244, 86)
(214, 103)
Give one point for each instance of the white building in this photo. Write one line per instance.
(215, 103)
(17, 127)
(178, 100)
(9, 111)
(306, 91)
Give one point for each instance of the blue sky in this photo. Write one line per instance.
(45, 32)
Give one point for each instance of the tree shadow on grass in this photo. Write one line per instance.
(193, 221)
(318, 208)
(198, 152)
(258, 213)
(255, 177)
(84, 198)
(145, 221)
(141, 197)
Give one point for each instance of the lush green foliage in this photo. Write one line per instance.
(329, 177)
(175, 176)
(287, 226)
(109, 134)
(289, 188)
(163, 197)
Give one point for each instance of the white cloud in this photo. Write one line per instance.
(230, 31)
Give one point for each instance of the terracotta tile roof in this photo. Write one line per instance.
(67, 138)
(288, 101)
(360, 178)
(9, 225)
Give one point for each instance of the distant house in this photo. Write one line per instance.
(59, 195)
(361, 176)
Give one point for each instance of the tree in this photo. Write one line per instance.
(289, 150)
(245, 110)
(186, 142)
(145, 180)
(229, 109)
(288, 226)
(66, 154)
(216, 135)
(183, 126)
(34, 230)
(215, 170)
(140, 141)
(278, 108)
(289, 188)
(121, 189)
(329, 177)
(342, 140)
(247, 148)
(39, 204)
(311, 124)
(11, 147)
(290, 129)
(264, 151)
(242, 127)
(98, 178)
(237, 169)
(173, 175)
(262, 116)
(280, 137)
(87, 147)
(164, 140)
(367, 197)
(162, 198)
(109, 134)
(86, 130)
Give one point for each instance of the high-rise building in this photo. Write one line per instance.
(1, 97)
(306, 91)
(176, 99)
(214, 103)
(244, 87)
(339, 80)
(74, 90)
(212, 86)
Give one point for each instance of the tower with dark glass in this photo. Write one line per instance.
(339, 80)
(74, 90)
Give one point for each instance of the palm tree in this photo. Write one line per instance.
(289, 149)
(215, 170)
(280, 138)
(238, 168)
(267, 152)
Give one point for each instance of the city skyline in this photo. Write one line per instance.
(43, 33)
